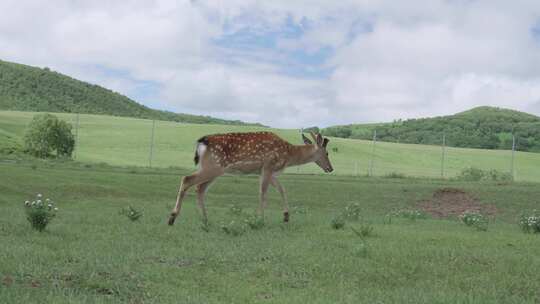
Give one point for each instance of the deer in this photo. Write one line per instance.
(264, 153)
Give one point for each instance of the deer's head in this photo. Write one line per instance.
(321, 155)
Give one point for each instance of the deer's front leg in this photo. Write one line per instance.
(266, 178)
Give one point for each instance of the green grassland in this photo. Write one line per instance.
(92, 254)
(126, 142)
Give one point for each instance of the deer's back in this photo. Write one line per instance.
(246, 152)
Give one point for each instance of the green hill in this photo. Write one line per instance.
(481, 127)
(26, 88)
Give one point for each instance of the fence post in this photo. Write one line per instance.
(443, 154)
(152, 144)
(513, 152)
(76, 137)
(372, 152)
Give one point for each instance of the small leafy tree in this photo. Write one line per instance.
(47, 134)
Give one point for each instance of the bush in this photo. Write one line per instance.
(338, 222)
(471, 174)
(474, 219)
(233, 228)
(131, 213)
(530, 223)
(496, 175)
(395, 175)
(412, 214)
(365, 229)
(236, 210)
(352, 211)
(254, 221)
(47, 134)
(475, 174)
(40, 212)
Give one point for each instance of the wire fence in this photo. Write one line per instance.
(138, 142)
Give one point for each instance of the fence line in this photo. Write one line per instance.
(381, 159)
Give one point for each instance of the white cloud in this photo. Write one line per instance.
(391, 59)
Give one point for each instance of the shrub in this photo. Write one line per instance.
(131, 213)
(40, 212)
(364, 230)
(496, 175)
(234, 228)
(235, 210)
(338, 222)
(411, 214)
(474, 219)
(475, 174)
(254, 221)
(395, 175)
(352, 211)
(471, 174)
(530, 223)
(47, 134)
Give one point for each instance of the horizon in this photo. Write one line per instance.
(290, 65)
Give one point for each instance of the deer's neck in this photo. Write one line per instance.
(301, 154)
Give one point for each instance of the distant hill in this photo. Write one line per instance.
(481, 127)
(26, 88)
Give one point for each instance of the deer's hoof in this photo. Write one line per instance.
(171, 220)
(285, 217)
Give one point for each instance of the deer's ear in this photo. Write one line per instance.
(313, 136)
(325, 142)
(319, 140)
(306, 140)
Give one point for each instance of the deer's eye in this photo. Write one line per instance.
(326, 153)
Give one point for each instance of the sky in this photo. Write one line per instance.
(291, 63)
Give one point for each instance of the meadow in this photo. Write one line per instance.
(121, 141)
(90, 253)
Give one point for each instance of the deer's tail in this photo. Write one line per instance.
(202, 143)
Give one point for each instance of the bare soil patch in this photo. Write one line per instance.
(451, 202)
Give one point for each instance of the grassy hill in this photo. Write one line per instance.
(26, 88)
(481, 127)
(126, 142)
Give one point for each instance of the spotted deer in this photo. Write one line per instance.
(255, 152)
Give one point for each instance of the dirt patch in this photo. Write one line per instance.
(451, 202)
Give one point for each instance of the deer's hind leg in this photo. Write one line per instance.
(201, 191)
(266, 177)
(281, 190)
(187, 182)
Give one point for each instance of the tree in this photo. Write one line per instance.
(47, 134)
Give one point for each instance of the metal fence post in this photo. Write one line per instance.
(152, 144)
(443, 154)
(513, 152)
(372, 153)
(76, 137)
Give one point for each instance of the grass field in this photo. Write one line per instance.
(92, 254)
(126, 142)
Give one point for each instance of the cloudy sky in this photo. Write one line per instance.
(289, 63)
